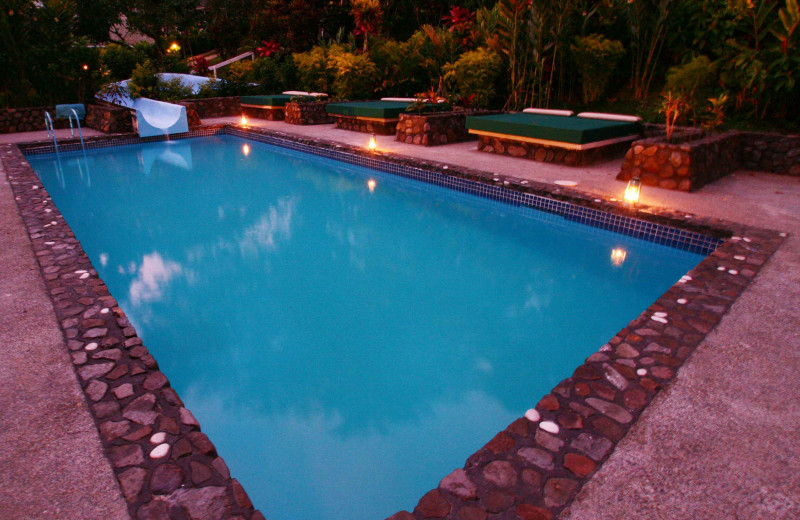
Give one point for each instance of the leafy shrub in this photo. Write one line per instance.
(355, 75)
(430, 49)
(596, 57)
(144, 82)
(173, 90)
(395, 71)
(274, 74)
(120, 60)
(475, 72)
(312, 69)
(695, 81)
(221, 88)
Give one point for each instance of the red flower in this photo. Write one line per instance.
(269, 48)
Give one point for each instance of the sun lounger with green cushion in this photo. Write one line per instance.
(574, 133)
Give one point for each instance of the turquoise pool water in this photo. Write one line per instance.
(344, 343)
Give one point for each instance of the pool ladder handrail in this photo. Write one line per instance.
(78, 123)
(51, 131)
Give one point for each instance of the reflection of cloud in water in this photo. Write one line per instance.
(151, 277)
(301, 464)
(484, 365)
(276, 222)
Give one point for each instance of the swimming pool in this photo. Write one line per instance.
(261, 281)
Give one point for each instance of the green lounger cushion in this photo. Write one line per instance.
(376, 109)
(275, 100)
(574, 130)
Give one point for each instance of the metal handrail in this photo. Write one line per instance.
(221, 64)
(77, 122)
(51, 130)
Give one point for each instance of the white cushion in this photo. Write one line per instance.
(549, 112)
(399, 99)
(318, 94)
(295, 93)
(610, 117)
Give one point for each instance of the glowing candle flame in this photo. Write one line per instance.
(174, 47)
(371, 185)
(85, 67)
(633, 190)
(246, 149)
(618, 256)
(373, 143)
(244, 120)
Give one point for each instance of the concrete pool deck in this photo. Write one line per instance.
(721, 440)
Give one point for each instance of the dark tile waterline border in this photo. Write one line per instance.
(531, 470)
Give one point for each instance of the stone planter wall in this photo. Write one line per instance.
(435, 129)
(27, 119)
(214, 107)
(315, 113)
(384, 127)
(192, 116)
(550, 154)
(775, 153)
(109, 118)
(270, 114)
(686, 165)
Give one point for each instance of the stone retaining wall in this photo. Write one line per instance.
(550, 154)
(381, 127)
(214, 107)
(109, 118)
(314, 113)
(435, 129)
(27, 119)
(775, 153)
(686, 165)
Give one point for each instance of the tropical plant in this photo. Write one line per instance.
(596, 58)
(368, 16)
(648, 21)
(474, 73)
(673, 107)
(695, 81)
(715, 113)
(355, 75)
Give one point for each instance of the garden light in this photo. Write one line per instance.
(174, 47)
(244, 120)
(373, 143)
(85, 67)
(633, 190)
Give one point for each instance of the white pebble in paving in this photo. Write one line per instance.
(91, 346)
(104, 311)
(658, 319)
(721, 268)
(549, 427)
(159, 451)
(783, 235)
(642, 372)
(660, 314)
(84, 276)
(532, 415)
(682, 301)
(739, 257)
(158, 438)
(746, 239)
(733, 271)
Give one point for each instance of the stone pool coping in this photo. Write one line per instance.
(525, 471)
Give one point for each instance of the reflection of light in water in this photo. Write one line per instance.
(618, 256)
(103, 259)
(246, 149)
(371, 185)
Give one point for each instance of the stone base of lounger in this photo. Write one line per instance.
(268, 113)
(368, 126)
(314, 113)
(551, 154)
(436, 129)
(690, 161)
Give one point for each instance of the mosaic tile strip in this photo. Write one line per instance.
(531, 470)
(664, 235)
